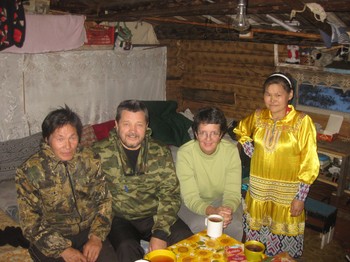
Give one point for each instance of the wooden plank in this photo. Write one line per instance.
(216, 96)
(224, 79)
(201, 57)
(223, 47)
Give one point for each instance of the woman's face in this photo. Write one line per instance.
(64, 142)
(209, 137)
(276, 100)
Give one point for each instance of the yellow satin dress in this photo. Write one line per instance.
(285, 155)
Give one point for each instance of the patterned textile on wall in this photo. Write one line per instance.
(12, 24)
(91, 82)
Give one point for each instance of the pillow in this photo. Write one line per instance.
(167, 125)
(102, 130)
(14, 152)
(88, 136)
(8, 198)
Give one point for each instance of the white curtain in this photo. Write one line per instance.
(92, 83)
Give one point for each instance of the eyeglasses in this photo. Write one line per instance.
(212, 134)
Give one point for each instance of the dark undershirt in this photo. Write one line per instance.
(132, 157)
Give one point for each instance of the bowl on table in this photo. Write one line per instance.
(161, 255)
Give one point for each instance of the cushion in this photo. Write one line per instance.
(8, 198)
(14, 152)
(102, 129)
(168, 125)
(88, 136)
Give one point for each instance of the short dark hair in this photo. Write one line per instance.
(210, 115)
(58, 118)
(132, 106)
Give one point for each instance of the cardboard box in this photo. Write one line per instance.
(235, 253)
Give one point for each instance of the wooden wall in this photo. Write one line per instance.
(228, 75)
(236, 71)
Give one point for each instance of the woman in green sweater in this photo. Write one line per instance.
(209, 171)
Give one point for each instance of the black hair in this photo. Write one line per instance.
(58, 118)
(210, 115)
(285, 80)
(132, 106)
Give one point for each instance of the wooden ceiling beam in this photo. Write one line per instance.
(225, 26)
(308, 15)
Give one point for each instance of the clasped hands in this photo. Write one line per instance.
(224, 211)
(91, 251)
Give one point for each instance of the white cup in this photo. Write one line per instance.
(214, 225)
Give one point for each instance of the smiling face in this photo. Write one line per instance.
(64, 142)
(131, 129)
(276, 100)
(209, 137)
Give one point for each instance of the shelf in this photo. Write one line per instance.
(298, 66)
(314, 68)
(341, 150)
(325, 180)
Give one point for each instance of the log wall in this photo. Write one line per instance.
(234, 70)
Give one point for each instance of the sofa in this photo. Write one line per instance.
(166, 123)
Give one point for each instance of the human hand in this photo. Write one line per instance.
(92, 248)
(156, 243)
(296, 208)
(226, 213)
(73, 255)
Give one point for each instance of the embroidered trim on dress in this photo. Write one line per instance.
(248, 148)
(281, 192)
(302, 192)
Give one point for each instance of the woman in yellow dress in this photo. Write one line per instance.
(281, 142)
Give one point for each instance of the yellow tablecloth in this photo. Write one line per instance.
(201, 247)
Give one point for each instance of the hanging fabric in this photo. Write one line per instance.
(12, 23)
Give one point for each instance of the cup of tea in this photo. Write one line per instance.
(215, 224)
(161, 255)
(254, 250)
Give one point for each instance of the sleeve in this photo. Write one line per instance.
(189, 187)
(245, 129)
(48, 241)
(303, 190)
(233, 181)
(101, 225)
(309, 161)
(168, 196)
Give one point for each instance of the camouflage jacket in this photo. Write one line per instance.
(152, 191)
(55, 203)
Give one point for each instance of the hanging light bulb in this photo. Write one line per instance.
(240, 23)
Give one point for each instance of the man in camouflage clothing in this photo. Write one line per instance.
(141, 177)
(64, 206)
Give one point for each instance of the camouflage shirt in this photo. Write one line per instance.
(58, 199)
(152, 190)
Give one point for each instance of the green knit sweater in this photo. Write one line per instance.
(206, 178)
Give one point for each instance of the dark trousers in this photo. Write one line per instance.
(125, 236)
(107, 253)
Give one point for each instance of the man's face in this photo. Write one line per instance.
(64, 142)
(131, 129)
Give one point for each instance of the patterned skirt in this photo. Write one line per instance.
(275, 244)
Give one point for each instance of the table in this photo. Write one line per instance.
(201, 247)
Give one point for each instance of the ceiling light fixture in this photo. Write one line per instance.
(240, 23)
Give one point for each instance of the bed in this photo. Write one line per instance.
(168, 125)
